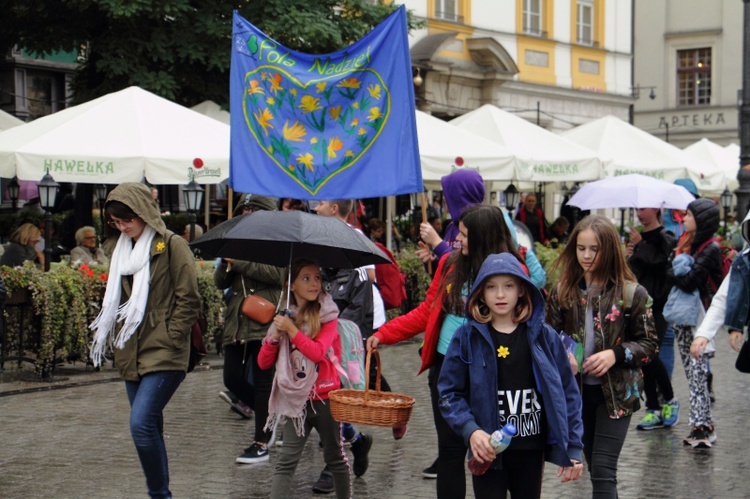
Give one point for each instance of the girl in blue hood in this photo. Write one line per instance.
(505, 365)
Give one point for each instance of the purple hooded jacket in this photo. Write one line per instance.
(461, 189)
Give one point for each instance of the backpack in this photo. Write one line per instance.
(351, 366)
(727, 255)
(390, 280)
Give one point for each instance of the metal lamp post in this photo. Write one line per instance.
(726, 203)
(13, 191)
(512, 197)
(47, 194)
(193, 198)
(100, 191)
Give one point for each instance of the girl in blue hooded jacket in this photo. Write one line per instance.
(506, 366)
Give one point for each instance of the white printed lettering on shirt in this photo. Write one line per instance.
(528, 418)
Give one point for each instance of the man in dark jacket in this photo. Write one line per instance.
(648, 257)
(352, 290)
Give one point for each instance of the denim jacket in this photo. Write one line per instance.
(738, 295)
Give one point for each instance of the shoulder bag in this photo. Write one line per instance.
(256, 307)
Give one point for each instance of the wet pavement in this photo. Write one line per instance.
(69, 438)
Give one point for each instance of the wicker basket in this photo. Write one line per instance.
(371, 407)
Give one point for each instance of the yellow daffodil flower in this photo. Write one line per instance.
(295, 132)
(309, 104)
(306, 159)
(334, 145)
(263, 118)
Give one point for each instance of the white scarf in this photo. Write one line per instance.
(126, 260)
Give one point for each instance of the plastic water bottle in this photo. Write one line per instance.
(499, 440)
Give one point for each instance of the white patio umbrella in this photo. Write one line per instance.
(634, 151)
(440, 143)
(120, 137)
(8, 121)
(631, 191)
(212, 110)
(541, 156)
(720, 157)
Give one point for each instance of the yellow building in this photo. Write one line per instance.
(559, 63)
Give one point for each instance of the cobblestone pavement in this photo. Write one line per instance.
(75, 442)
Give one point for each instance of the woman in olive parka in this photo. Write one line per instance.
(245, 381)
(149, 308)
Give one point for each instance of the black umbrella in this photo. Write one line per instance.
(278, 237)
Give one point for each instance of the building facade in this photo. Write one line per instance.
(557, 63)
(688, 69)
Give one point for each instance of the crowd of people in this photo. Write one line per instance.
(568, 362)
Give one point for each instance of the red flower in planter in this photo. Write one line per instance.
(103, 277)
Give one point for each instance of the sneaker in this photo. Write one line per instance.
(431, 471)
(242, 409)
(700, 438)
(652, 421)
(361, 450)
(324, 485)
(228, 397)
(670, 413)
(256, 453)
(711, 434)
(399, 432)
(689, 439)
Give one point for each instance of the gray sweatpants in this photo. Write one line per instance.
(318, 417)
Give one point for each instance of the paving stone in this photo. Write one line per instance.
(74, 442)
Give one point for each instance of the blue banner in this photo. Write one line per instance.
(335, 126)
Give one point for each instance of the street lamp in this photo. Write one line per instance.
(193, 197)
(13, 190)
(512, 197)
(100, 191)
(726, 203)
(47, 194)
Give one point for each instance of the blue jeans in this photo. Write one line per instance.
(148, 398)
(666, 352)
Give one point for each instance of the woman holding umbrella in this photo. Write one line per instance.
(152, 300)
(482, 232)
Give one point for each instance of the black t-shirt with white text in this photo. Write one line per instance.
(518, 400)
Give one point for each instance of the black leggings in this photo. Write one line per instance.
(248, 382)
(655, 373)
(451, 478)
(521, 475)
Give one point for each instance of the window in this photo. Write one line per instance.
(448, 10)
(694, 77)
(532, 17)
(585, 23)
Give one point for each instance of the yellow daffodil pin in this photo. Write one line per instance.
(160, 246)
(503, 352)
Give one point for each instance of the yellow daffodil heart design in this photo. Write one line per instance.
(317, 128)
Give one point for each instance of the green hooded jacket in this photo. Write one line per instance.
(162, 342)
(264, 280)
